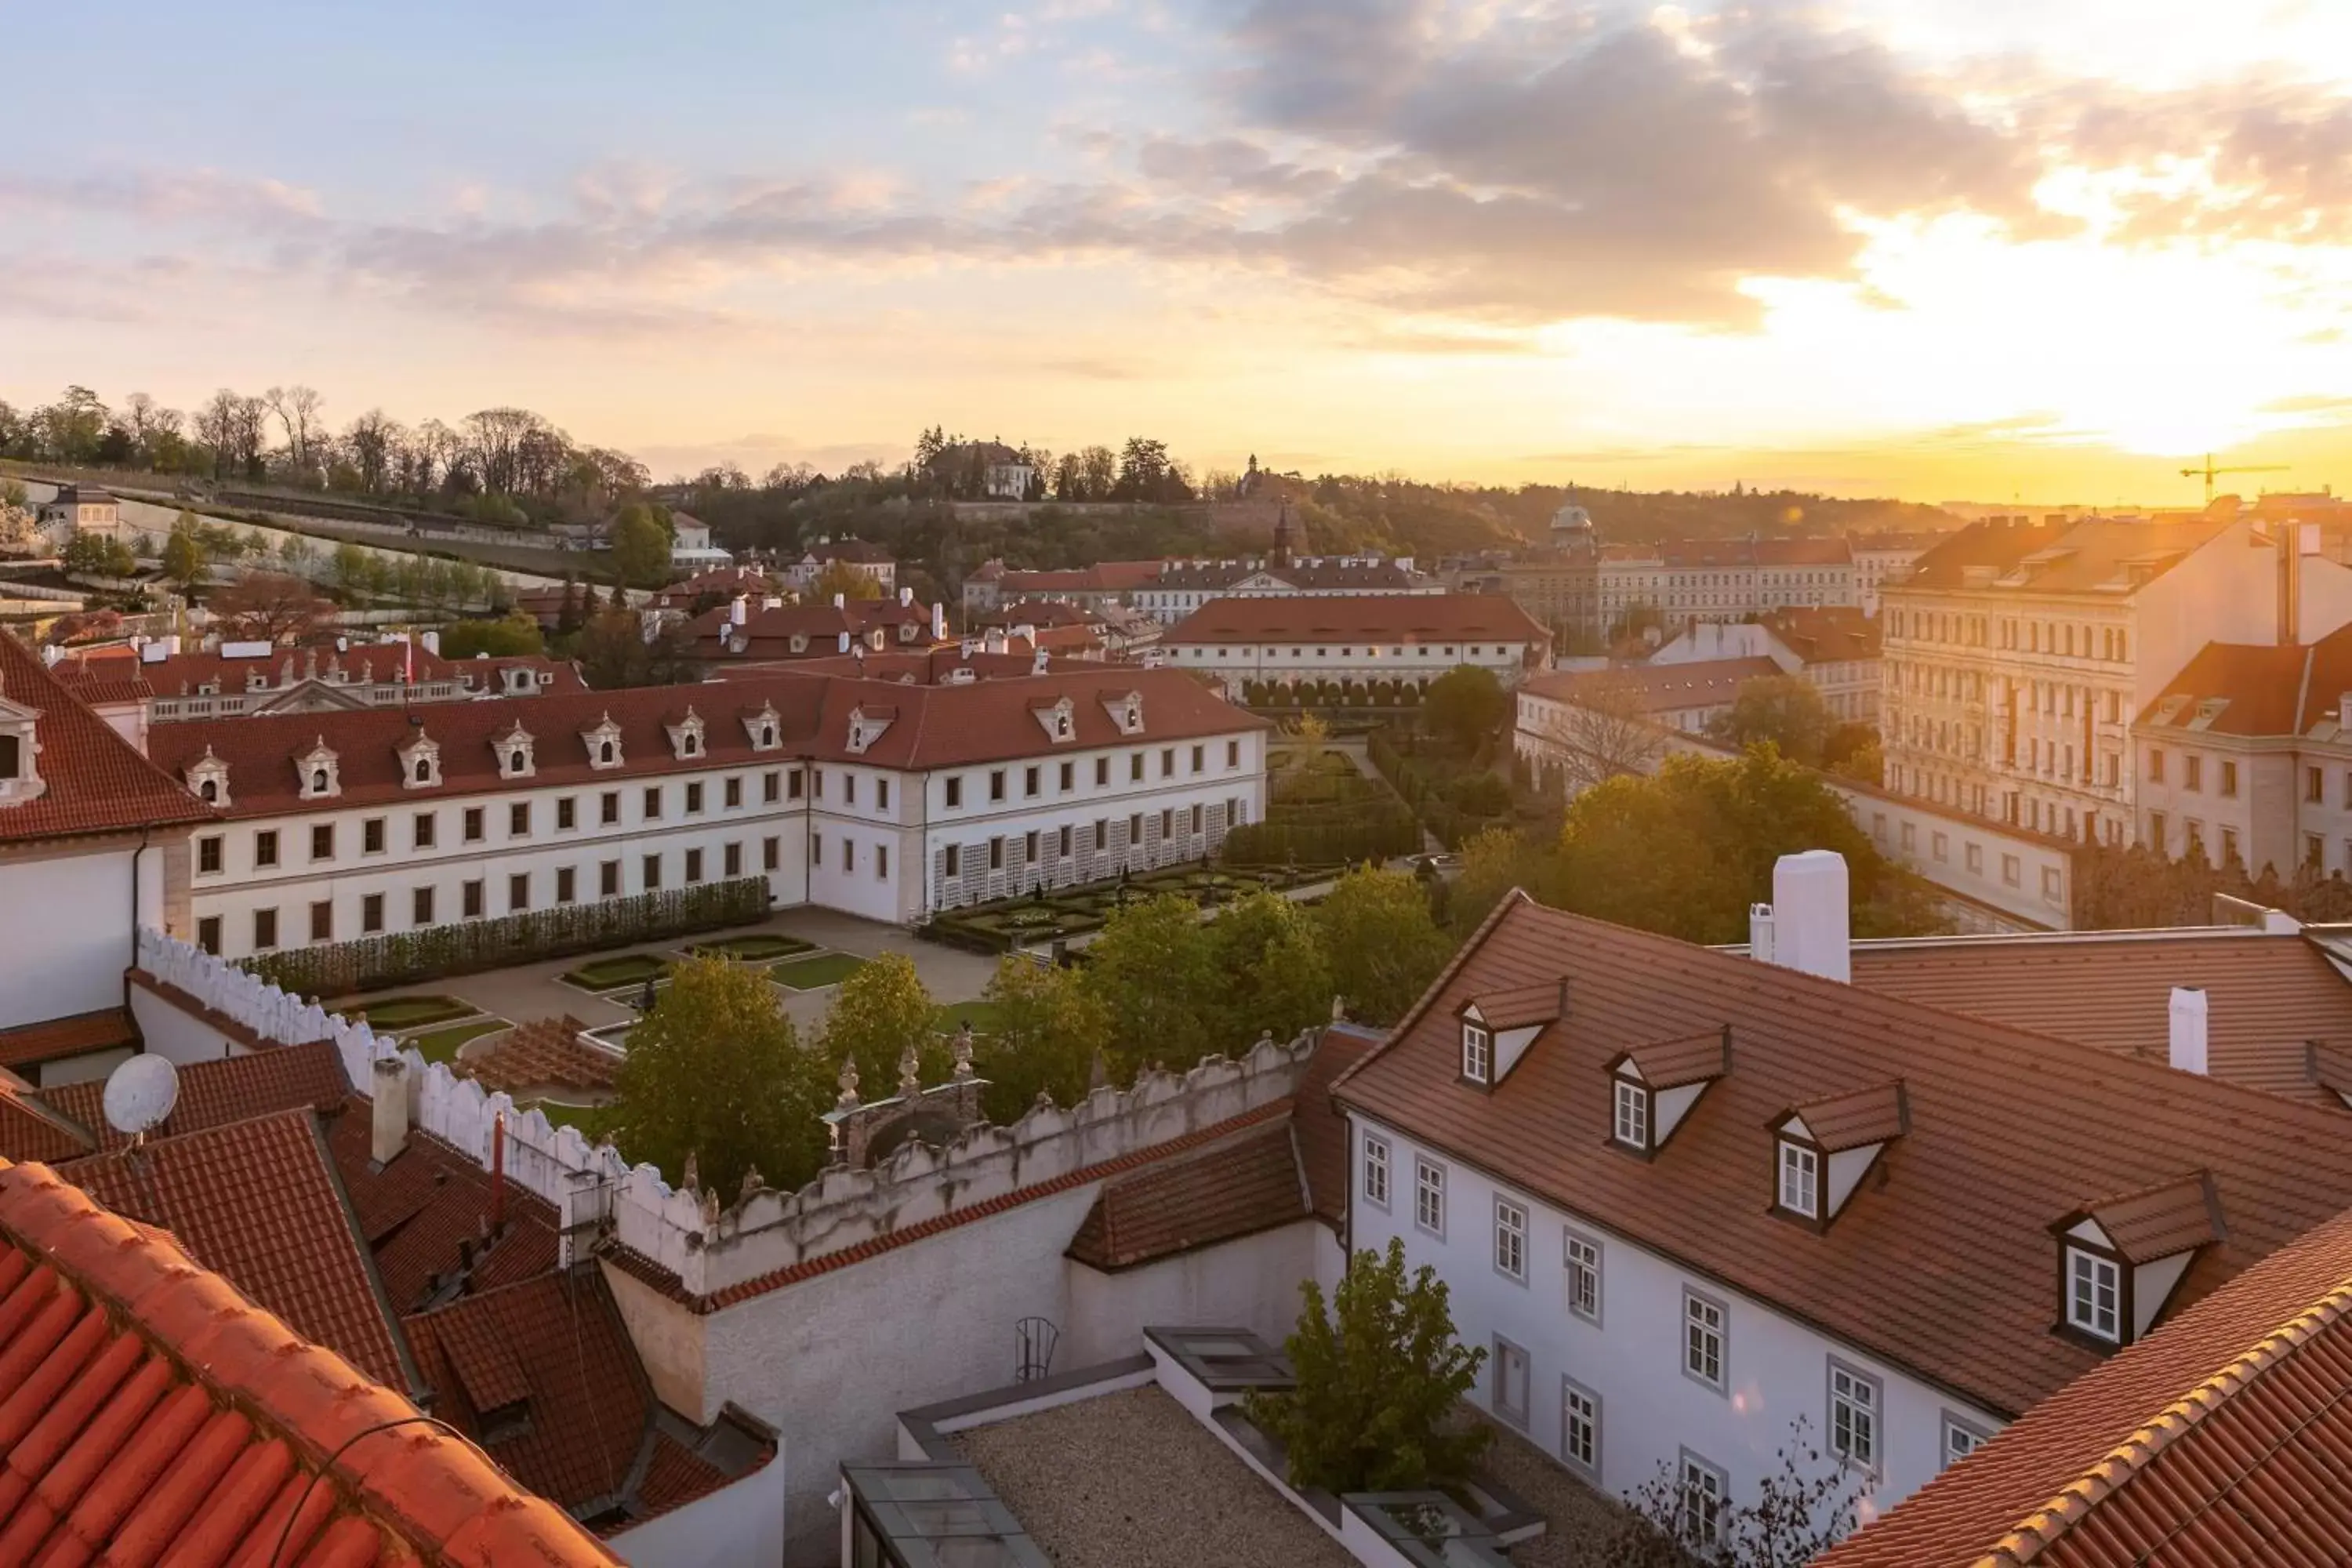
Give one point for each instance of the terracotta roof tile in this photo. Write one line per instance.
(1236, 1187)
(2266, 995)
(32, 1129)
(426, 1217)
(1365, 617)
(2222, 1439)
(2255, 691)
(1520, 1006)
(2090, 555)
(1946, 1267)
(232, 1088)
(1683, 1060)
(258, 1202)
(549, 1053)
(675, 1476)
(1657, 687)
(1322, 1127)
(95, 781)
(147, 1408)
(1855, 1120)
(2158, 1221)
(107, 1029)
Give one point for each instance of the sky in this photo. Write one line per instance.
(1942, 249)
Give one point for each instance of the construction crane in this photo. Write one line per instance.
(2208, 470)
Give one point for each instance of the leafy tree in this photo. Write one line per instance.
(96, 555)
(1273, 973)
(503, 638)
(1493, 861)
(183, 558)
(1379, 1372)
(353, 566)
(842, 578)
(876, 1014)
(1783, 709)
(614, 653)
(1465, 705)
(1049, 1033)
(576, 606)
(1381, 941)
(1153, 970)
(717, 1072)
(1853, 751)
(641, 545)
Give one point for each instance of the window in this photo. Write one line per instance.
(1580, 1428)
(2229, 846)
(881, 862)
(518, 819)
(653, 872)
(470, 899)
(473, 825)
(693, 866)
(208, 853)
(793, 784)
(848, 792)
(1167, 762)
(771, 854)
(2094, 1295)
(371, 913)
(1029, 847)
(566, 885)
(1029, 782)
(1135, 768)
(517, 892)
(1376, 1170)
(1429, 1197)
(265, 929)
(1962, 1438)
(1199, 756)
(2315, 786)
(1232, 753)
(1062, 842)
(420, 907)
(1800, 1180)
(1510, 1381)
(1068, 775)
(1135, 830)
(848, 855)
(1703, 1339)
(772, 789)
(1702, 1491)
(1196, 820)
(2229, 777)
(955, 793)
(881, 794)
(608, 808)
(1855, 1401)
(1631, 1126)
(732, 858)
(1102, 772)
(653, 802)
(322, 920)
(264, 847)
(734, 791)
(2314, 851)
(2155, 765)
(1476, 1053)
(1168, 823)
(1976, 858)
(1583, 1258)
(608, 879)
(208, 934)
(2192, 773)
(372, 835)
(996, 785)
(1511, 1239)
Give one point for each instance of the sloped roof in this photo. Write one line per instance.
(106, 1029)
(425, 1215)
(1946, 1268)
(2222, 1439)
(1322, 1127)
(1363, 618)
(95, 781)
(231, 1088)
(2256, 691)
(143, 1399)
(1826, 634)
(2266, 995)
(1234, 1187)
(2096, 554)
(1656, 688)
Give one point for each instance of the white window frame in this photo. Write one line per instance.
(1859, 1400)
(1696, 1479)
(1376, 1170)
(1477, 1054)
(1583, 1457)
(1961, 1438)
(2087, 1271)
(1801, 1179)
(1630, 1120)
(1581, 1258)
(1511, 1239)
(1704, 1323)
(1429, 1195)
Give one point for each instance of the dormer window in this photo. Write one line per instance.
(2094, 1294)
(514, 751)
(761, 727)
(207, 779)
(1126, 712)
(604, 743)
(1477, 1054)
(1824, 1148)
(1800, 1180)
(686, 735)
(1498, 1027)
(2121, 1261)
(20, 750)
(420, 763)
(1654, 1087)
(319, 771)
(866, 726)
(1632, 1124)
(1053, 718)
(800, 642)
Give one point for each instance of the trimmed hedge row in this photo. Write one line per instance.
(1425, 795)
(332, 969)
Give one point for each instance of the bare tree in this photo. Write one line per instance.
(216, 425)
(297, 408)
(268, 606)
(373, 440)
(1801, 1510)
(1602, 730)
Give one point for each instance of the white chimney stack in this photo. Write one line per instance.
(1809, 914)
(840, 601)
(390, 1126)
(433, 643)
(2189, 1029)
(905, 598)
(739, 611)
(938, 623)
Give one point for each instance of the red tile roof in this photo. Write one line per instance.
(1386, 618)
(1102, 577)
(426, 1217)
(928, 667)
(109, 1028)
(1826, 634)
(1656, 688)
(2265, 995)
(257, 1201)
(2255, 691)
(148, 1411)
(769, 633)
(1946, 1267)
(1235, 1187)
(2093, 555)
(2224, 1438)
(1322, 1127)
(213, 1093)
(32, 1129)
(96, 781)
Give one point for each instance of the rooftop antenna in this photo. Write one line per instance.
(139, 1094)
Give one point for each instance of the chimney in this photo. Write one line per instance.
(739, 611)
(432, 640)
(938, 623)
(845, 642)
(840, 601)
(2290, 582)
(1810, 913)
(390, 1110)
(905, 598)
(2189, 1029)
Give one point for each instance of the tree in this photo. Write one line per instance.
(1604, 732)
(184, 557)
(1853, 751)
(877, 1014)
(1046, 1034)
(353, 566)
(1493, 861)
(1383, 945)
(640, 547)
(267, 607)
(96, 555)
(503, 638)
(1152, 969)
(1783, 709)
(845, 579)
(613, 652)
(1312, 732)
(716, 1074)
(1275, 976)
(1465, 705)
(1379, 1372)
(1802, 1509)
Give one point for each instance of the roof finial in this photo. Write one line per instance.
(848, 1080)
(910, 1072)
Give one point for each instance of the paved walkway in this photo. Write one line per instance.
(536, 990)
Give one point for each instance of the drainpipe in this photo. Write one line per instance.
(145, 835)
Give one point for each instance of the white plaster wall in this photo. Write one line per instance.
(68, 927)
(1776, 1369)
(1250, 1283)
(1366, 662)
(740, 1525)
(669, 1341)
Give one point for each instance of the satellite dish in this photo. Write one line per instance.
(139, 1094)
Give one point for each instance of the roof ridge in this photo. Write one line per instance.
(1462, 955)
(2121, 1463)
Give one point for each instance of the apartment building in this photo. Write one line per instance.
(1183, 586)
(1721, 580)
(2018, 654)
(878, 799)
(869, 561)
(1836, 651)
(1363, 640)
(1883, 558)
(1682, 1197)
(1104, 583)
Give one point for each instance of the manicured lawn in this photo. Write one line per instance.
(811, 974)
(411, 1012)
(611, 973)
(441, 1044)
(980, 1015)
(587, 1117)
(757, 948)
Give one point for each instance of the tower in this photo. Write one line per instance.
(1281, 534)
